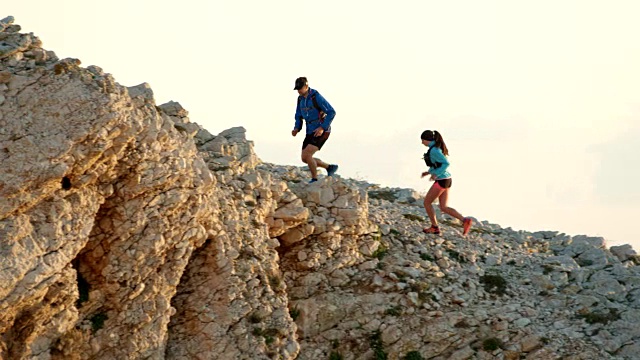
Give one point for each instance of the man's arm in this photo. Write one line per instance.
(298, 117)
(327, 109)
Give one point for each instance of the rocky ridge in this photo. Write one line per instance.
(128, 231)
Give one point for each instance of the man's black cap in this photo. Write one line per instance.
(300, 83)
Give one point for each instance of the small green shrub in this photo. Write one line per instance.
(600, 318)
(413, 355)
(275, 282)
(491, 344)
(419, 286)
(294, 313)
(379, 354)
(455, 256)
(254, 318)
(268, 334)
(375, 341)
(483, 231)
(494, 284)
(380, 253)
(97, 321)
(394, 311)
(413, 217)
(394, 232)
(382, 195)
(335, 356)
(426, 257)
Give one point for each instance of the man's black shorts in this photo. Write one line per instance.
(315, 140)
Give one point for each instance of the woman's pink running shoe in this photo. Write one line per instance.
(466, 225)
(432, 230)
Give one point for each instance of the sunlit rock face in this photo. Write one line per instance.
(127, 231)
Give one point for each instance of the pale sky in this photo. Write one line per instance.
(538, 101)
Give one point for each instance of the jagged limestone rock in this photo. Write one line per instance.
(128, 231)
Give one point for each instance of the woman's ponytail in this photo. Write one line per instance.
(440, 142)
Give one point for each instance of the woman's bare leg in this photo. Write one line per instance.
(432, 194)
(444, 196)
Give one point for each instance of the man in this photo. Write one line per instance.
(318, 114)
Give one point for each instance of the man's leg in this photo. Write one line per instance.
(307, 157)
(321, 163)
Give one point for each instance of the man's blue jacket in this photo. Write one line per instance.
(305, 110)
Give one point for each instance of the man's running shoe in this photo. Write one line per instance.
(312, 181)
(332, 169)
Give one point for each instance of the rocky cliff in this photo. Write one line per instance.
(129, 232)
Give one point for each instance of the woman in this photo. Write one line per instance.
(437, 162)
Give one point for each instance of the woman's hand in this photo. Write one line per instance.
(433, 177)
(424, 174)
